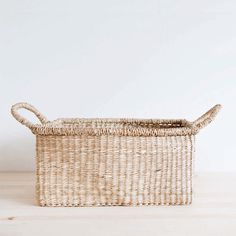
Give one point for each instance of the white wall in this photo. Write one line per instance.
(150, 59)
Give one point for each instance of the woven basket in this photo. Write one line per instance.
(94, 162)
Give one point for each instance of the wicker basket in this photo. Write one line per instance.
(94, 162)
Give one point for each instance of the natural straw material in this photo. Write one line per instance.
(93, 162)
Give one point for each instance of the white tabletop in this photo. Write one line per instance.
(213, 212)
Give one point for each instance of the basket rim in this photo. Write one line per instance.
(115, 126)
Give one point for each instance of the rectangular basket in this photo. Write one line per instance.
(94, 162)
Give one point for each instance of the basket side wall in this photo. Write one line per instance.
(114, 170)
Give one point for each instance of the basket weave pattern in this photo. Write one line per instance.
(113, 170)
(94, 162)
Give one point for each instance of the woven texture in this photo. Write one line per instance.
(112, 170)
(98, 162)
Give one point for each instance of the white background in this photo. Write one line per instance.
(147, 59)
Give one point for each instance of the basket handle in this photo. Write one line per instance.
(206, 118)
(21, 119)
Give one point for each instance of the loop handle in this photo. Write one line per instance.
(206, 118)
(21, 119)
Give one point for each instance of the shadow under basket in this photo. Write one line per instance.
(114, 162)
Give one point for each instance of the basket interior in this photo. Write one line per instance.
(123, 123)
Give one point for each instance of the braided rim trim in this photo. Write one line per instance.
(121, 127)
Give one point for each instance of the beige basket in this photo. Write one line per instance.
(94, 162)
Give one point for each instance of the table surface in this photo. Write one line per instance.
(213, 212)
